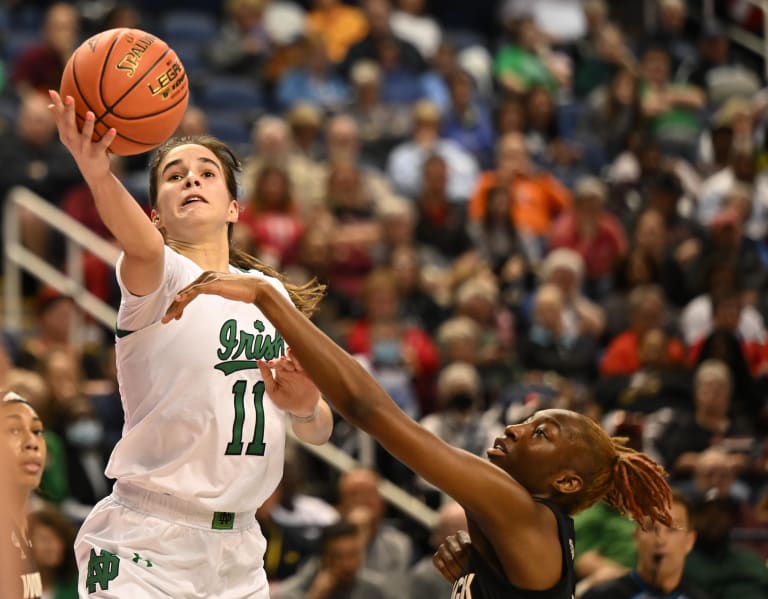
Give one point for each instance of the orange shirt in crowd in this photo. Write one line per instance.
(339, 27)
(535, 200)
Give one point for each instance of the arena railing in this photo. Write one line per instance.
(70, 281)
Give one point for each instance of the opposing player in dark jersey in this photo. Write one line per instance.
(517, 502)
(23, 451)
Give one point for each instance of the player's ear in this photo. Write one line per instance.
(154, 217)
(234, 212)
(568, 482)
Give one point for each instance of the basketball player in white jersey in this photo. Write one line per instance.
(204, 433)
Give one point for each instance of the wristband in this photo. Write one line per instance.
(305, 419)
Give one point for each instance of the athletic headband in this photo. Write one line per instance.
(12, 397)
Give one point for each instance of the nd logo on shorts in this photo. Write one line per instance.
(102, 569)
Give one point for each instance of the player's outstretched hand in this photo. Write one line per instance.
(289, 387)
(452, 555)
(91, 156)
(241, 288)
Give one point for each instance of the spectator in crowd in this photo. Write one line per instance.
(378, 15)
(647, 305)
(550, 347)
(339, 25)
(716, 562)
(501, 247)
(287, 547)
(671, 111)
(655, 385)
(41, 66)
(715, 69)
(564, 268)
(440, 223)
(386, 549)
(468, 119)
(411, 22)
(661, 558)
(53, 536)
(424, 580)
(537, 197)
(712, 422)
(418, 305)
(33, 157)
(406, 160)
(313, 79)
(272, 219)
(403, 356)
(338, 571)
(672, 31)
(243, 43)
(383, 125)
(593, 232)
(524, 61)
(727, 470)
(606, 549)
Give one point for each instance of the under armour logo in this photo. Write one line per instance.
(137, 558)
(102, 569)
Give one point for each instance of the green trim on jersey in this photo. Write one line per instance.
(120, 333)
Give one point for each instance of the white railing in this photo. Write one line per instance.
(71, 282)
(78, 238)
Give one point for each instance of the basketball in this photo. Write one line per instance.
(132, 81)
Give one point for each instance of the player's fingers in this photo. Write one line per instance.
(88, 125)
(295, 360)
(174, 312)
(107, 139)
(56, 102)
(446, 565)
(266, 374)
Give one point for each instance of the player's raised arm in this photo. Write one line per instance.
(121, 213)
(363, 402)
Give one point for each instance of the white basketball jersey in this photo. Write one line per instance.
(198, 423)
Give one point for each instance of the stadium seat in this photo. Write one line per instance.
(187, 26)
(227, 92)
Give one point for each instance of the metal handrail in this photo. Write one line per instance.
(18, 258)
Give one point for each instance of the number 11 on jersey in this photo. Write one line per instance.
(257, 445)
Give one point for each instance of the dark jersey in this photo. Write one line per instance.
(29, 585)
(631, 586)
(479, 581)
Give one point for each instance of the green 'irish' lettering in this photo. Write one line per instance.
(102, 569)
(240, 349)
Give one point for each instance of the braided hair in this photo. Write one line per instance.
(627, 480)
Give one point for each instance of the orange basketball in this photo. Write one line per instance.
(132, 81)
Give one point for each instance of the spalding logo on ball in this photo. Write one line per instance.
(132, 81)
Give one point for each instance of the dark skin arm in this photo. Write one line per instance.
(512, 529)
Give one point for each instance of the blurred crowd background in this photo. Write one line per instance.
(515, 204)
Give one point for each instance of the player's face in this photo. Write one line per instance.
(192, 191)
(23, 443)
(536, 450)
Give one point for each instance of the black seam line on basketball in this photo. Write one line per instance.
(135, 83)
(79, 90)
